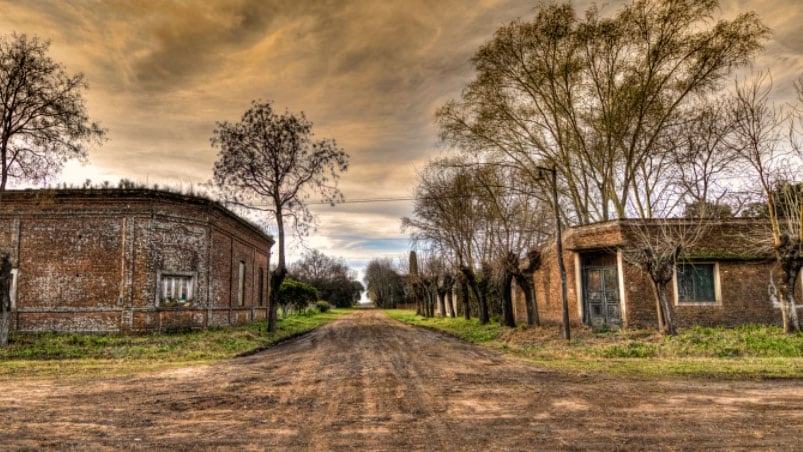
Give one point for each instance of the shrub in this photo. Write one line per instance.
(296, 294)
(323, 306)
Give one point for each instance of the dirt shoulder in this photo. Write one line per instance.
(367, 382)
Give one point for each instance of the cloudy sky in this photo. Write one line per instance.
(369, 73)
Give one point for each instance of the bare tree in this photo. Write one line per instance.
(43, 121)
(517, 221)
(595, 97)
(656, 247)
(271, 163)
(765, 138)
(43, 118)
(447, 215)
(707, 168)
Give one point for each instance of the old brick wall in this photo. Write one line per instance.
(548, 296)
(735, 245)
(91, 260)
(519, 304)
(230, 246)
(640, 309)
(69, 265)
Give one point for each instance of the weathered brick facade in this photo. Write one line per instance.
(131, 261)
(742, 276)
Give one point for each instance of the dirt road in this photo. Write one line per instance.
(371, 383)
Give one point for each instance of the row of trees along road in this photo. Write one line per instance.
(638, 113)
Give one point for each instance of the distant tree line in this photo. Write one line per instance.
(334, 281)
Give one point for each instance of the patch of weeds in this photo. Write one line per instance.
(467, 330)
(633, 349)
(53, 354)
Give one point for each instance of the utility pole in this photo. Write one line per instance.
(558, 237)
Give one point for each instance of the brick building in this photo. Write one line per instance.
(137, 260)
(721, 280)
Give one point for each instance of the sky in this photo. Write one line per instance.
(368, 73)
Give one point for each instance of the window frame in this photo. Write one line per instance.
(261, 287)
(12, 289)
(241, 284)
(192, 287)
(716, 280)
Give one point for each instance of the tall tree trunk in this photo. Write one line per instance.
(507, 300)
(527, 286)
(659, 311)
(664, 308)
(5, 327)
(277, 277)
(442, 303)
(668, 317)
(791, 324)
(432, 294)
(482, 298)
(427, 299)
(450, 303)
(788, 252)
(5, 299)
(465, 298)
(483, 286)
(480, 289)
(281, 268)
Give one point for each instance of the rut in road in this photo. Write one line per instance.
(372, 383)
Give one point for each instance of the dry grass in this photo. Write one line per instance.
(749, 352)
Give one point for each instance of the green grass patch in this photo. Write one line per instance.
(467, 330)
(60, 354)
(747, 352)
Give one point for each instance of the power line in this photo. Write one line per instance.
(363, 201)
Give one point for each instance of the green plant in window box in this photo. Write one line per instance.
(176, 302)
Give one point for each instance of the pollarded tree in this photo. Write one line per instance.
(447, 216)
(765, 138)
(43, 120)
(517, 221)
(657, 246)
(270, 162)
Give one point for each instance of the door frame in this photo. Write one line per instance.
(578, 278)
